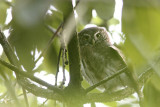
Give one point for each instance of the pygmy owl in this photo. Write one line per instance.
(100, 59)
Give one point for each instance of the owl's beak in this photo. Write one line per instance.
(92, 42)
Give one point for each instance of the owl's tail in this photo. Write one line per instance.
(134, 84)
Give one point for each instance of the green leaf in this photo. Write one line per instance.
(97, 20)
(84, 12)
(104, 8)
(30, 13)
(113, 21)
(151, 94)
(51, 57)
(140, 24)
(3, 12)
(32, 38)
(65, 6)
(54, 19)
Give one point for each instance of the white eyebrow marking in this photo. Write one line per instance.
(96, 33)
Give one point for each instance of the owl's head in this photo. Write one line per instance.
(93, 36)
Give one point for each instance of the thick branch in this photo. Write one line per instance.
(30, 76)
(74, 61)
(38, 91)
(105, 97)
(119, 95)
(8, 50)
(74, 56)
(74, 92)
(13, 59)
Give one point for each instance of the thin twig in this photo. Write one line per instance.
(52, 30)
(77, 4)
(24, 82)
(63, 62)
(55, 103)
(66, 58)
(105, 80)
(56, 77)
(42, 105)
(10, 88)
(5, 94)
(121, 94)
(62, 50)
(59, 56)
(22, 94)
(33, 78)
(12, 92)
(93, 104)
(25, 97)
(49, 42)
(9, 53)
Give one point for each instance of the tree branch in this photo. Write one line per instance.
(59, 57)
(9, 52)
(10, 88)
(105, 80)
(119, 95)
(13, 59)
(25, 97)
(74, 92)
(30, 76)
(38, 91)
(49, 42)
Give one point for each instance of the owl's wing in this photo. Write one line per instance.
(90, 76)
(114, 60)
(117, 53)
(132, 79)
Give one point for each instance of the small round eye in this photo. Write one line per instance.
(98, 35)
(86, 37)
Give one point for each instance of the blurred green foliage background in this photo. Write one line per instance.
(28, 35)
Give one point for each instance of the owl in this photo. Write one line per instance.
(101, 59)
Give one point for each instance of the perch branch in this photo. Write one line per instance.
(30, 76)
(105, 80)
(39, 91)
(119, 95)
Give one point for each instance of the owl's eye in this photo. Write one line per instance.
(86, 37)
(98, 35)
